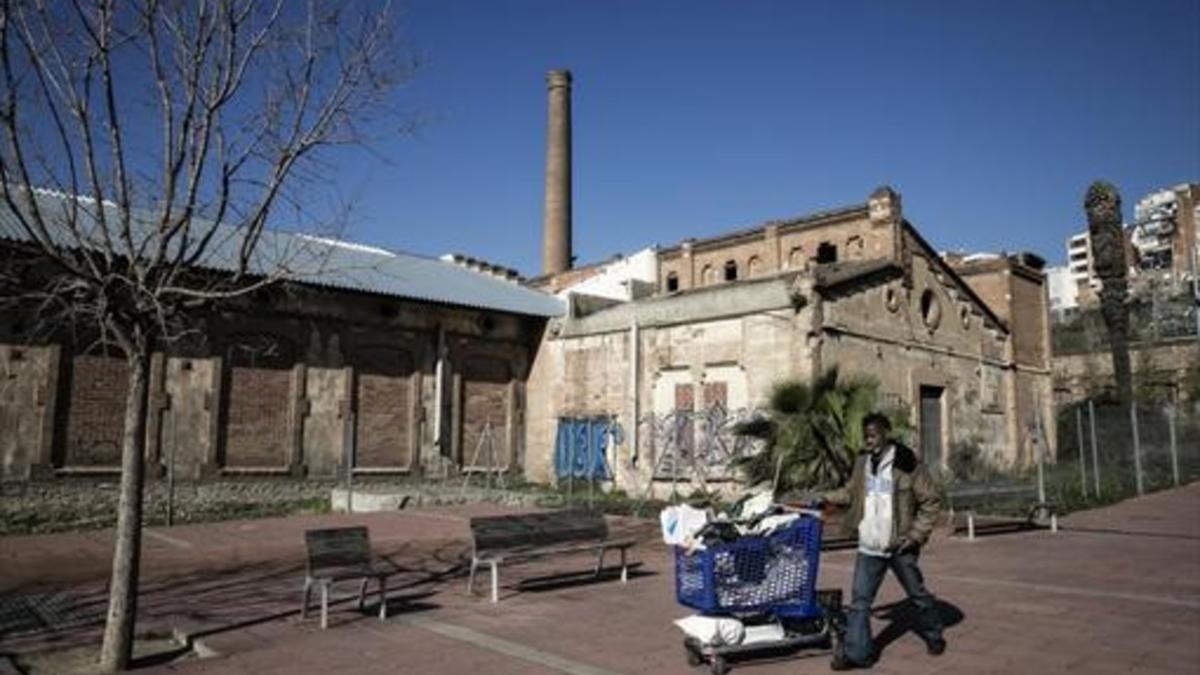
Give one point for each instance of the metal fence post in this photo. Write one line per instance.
(1079, 439)
(1174, 449)
(1095, 452)
(1137, 447)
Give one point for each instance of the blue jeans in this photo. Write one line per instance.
(868, 574)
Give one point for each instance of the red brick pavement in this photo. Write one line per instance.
(1117, 591)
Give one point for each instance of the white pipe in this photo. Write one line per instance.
(439, 383)
(633, 379)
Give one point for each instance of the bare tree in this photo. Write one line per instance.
(148, 146)
(1102, 203)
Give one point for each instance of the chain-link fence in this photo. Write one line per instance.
(1108, 451)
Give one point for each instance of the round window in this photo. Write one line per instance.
(931, 309)
(891, 300)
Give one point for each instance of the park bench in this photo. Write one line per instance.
(967, 499)
(337, 554)
(507, 539)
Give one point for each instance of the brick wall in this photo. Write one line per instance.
(383, 395)
(95, 411)
(485, 400)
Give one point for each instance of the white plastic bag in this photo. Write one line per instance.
(713, 631)
(680, 525)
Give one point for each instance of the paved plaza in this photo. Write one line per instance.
(1116, 591)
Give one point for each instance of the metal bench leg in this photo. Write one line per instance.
(382, 598)
(324, 605)
(599, 561)
(362, 594)
(304, 606)
(624, 568)
(495, 583)
(471, 577)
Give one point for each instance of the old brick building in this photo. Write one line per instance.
(961, 341)
(407, 359)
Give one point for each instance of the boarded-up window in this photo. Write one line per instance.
(716, 395)
(485, 391)
(256, 402)
(383, 398)
(685, 423)
(96, 411)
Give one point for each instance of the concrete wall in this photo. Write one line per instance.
(27, 402)
(1167, 370)
(732, 342)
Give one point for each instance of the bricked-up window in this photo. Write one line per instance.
(685, 423)
(256, 402)
(731, 270)
(716, 395)
(827, 253)
(753, 266)
(796, 257)
(485, 390)
(383, 379)
(672, 282)
(95, 411)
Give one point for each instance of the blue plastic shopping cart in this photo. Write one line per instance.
(769, 578)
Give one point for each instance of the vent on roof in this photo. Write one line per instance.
(485, 267)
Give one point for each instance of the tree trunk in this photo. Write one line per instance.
(117, 649)
(1116, 319)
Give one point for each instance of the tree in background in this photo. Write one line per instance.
(146, 147)
(1102, 203)
(812, 432)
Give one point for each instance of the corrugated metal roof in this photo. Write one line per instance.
(319, 262)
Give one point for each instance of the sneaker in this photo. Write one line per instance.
(935, 647)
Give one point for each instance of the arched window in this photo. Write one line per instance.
(731, 270)
(707, 274)
(672, 282)
(753, 266)
(796, 258)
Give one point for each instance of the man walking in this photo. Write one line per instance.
(893, 506)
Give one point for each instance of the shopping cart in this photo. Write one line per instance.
(761, 579)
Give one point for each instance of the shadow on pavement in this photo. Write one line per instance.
(902, 618)
(551, 582)
(207, 602)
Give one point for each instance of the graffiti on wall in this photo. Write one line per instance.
(697, 444)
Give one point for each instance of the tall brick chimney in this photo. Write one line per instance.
(556, 243)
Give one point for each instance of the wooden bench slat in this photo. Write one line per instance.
(498, 539)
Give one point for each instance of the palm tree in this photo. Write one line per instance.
(812, 431)
(1102, 203)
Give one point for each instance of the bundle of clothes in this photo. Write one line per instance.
(755, 514)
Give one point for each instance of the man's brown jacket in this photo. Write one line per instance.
(915, 501)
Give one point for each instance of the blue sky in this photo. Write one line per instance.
(695, 118)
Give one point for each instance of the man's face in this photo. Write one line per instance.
(874, 437)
